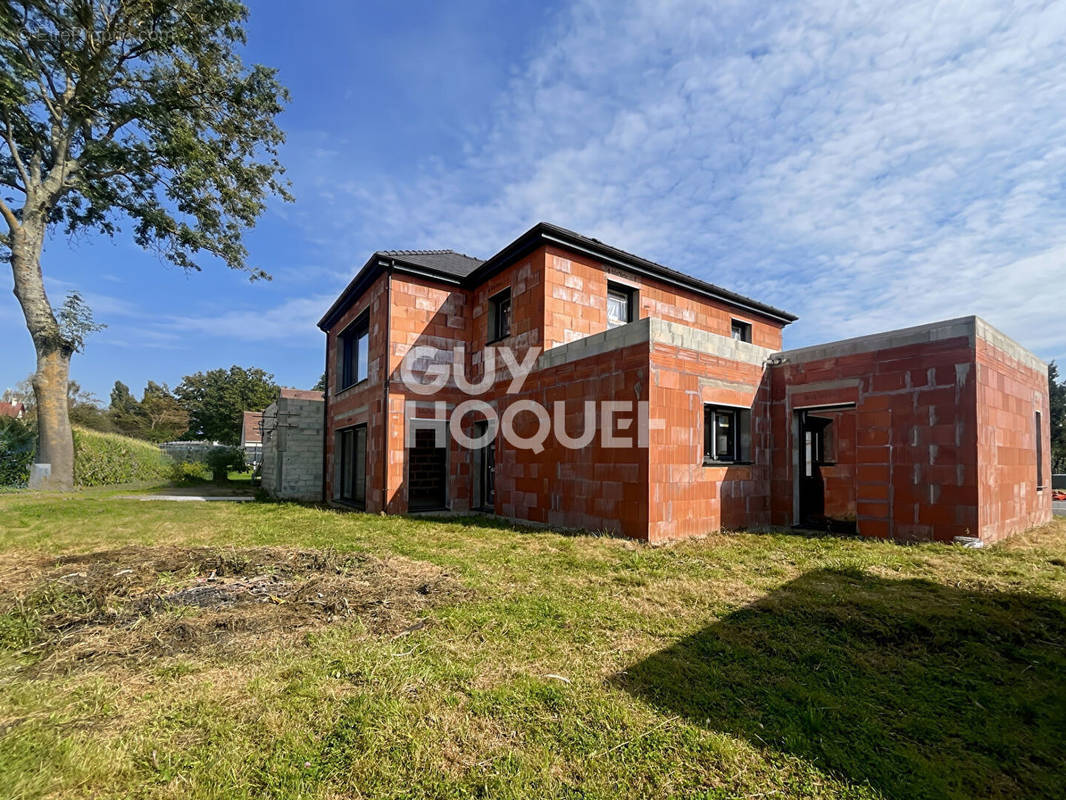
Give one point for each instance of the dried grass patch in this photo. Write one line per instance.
(137, 603)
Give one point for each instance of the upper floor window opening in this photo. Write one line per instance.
(741, 331)
(500, 316)
(621, 305)
(355, 352)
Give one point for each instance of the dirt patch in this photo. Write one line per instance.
(140, 602)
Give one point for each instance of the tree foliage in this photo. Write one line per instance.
(1057, 393)
(84, 410)
(140, 109)
(76, 322)
(215, 400)
(222, 460)
(157, 416)
(18, 444)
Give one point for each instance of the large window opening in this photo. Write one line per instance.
(354, 352)
(352, 466)
(826, 493)
(1039, 453)
(500, 316)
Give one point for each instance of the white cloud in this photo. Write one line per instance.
(292, 322)
(867, 166)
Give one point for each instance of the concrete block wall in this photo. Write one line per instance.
(292, 446)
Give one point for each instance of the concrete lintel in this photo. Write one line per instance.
(821, 386)
(731, 386)
(678, 335)
(355, 412)
(904, 337)
(596, 344)
(651, 330)
(1011, 348)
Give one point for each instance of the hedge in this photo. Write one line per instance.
(103, 459)
(18, 446)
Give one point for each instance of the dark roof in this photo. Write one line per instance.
(447, 261)
(461, 270)
(442, 265)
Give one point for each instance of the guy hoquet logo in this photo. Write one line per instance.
(427, 371)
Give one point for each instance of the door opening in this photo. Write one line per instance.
(484, 471)
(825, 464)
(427, 473)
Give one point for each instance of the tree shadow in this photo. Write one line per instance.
(915, 688)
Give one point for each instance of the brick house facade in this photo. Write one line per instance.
(702, 421)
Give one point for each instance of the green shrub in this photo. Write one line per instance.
(102, 459)
(18, 445)
(220, 460)
(189, 472)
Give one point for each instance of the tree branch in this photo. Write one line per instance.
(40, 70)
(9, 216)
(10, 137)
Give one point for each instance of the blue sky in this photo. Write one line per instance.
(865, 167)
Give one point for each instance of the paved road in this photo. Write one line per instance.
(1059, 508)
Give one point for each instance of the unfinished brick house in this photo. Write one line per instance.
(703, 421)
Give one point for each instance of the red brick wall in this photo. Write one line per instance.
(362, 403)
(576, 302)
(1009, 392)
(430, 314)
(915, 474)
(594, 488)
(688, 498)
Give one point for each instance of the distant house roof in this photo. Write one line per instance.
(252, 428)
(300, 394)
(15, 410)
(448, 266)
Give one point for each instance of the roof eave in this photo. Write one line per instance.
(545, 232)
(369, 273)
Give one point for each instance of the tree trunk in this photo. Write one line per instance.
(56, 445)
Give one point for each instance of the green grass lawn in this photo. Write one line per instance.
(741, 665)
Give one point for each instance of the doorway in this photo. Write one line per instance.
(825, 468)
(484, 471)
(427, 472)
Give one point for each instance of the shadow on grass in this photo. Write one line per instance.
(915, 688)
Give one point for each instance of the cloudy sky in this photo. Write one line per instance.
(865, 166)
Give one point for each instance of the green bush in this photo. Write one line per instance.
(102, 459)
(18, 445)
(220, 460)
(189, 472)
